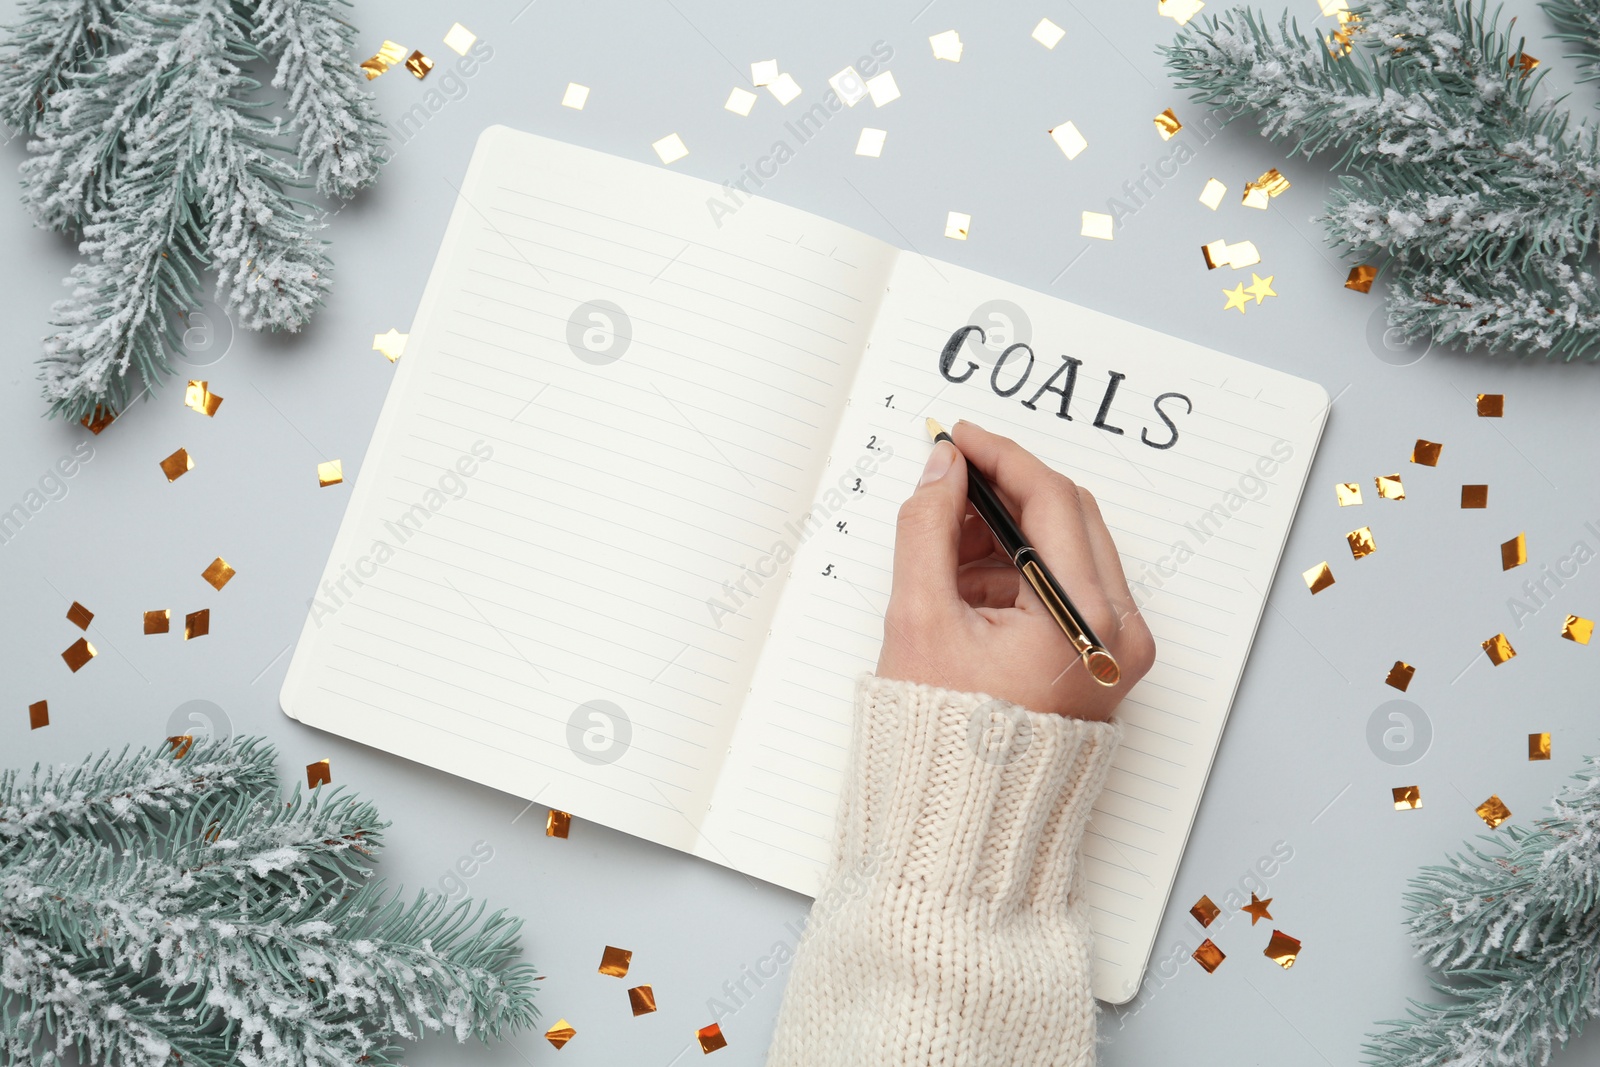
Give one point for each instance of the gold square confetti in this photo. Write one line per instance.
(670, 148)
(330, 472)
(1493, 812)
(1426, 453)
(1349, 493)
(849, 87)
(419, 65)
(177, 465)
(199, 397)
(218, 573)
(1318, 578)
(1205, 911)
(79, 616)
(1209, 956)
(1538, 747)
(1332, 7)
(158, 622)
(38, 714)
(1099, 225)
(956, 225)
(947, 46)
(179, 746)
(711, 1038)
(1491, 405)
(98, 419)
(1523, 63)
(1068, 139)
(870, 143)
(740, 101)
(1255, 196)
(1400, 675)
(1167, 124)
(196, 624)
(883, 89)
(575, 96)
(1220, 253)
(1211, 196)
(557, 823)
(1361, 278)
(319, 773)
(1282, 949)
(1578, 629)
(560, 1033)
(642, 999)
(763, 71)
(1273, 182)
(1179, 11)
(1390, 487)
(459, 39)
(1498, 649)
(1407, 797)
(80, 653)
(1361, 543)
(614, 962)
(391, 344)
(1514, 553)
(1474, 496)
(387, 56)
(784, 88)
(1048, 33)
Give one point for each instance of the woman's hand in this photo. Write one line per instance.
(960, 616)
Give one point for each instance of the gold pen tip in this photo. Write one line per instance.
(1102, 666)
(934, 429)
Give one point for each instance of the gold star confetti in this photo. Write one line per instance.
(1048, 33)
(199, 397)
(711, 1038)
(1493, 812)
(158, 622)
(1390, 487)
(1179, 11)
(1099, 225)
(870, 143)
(1257, 909)
(38, 714)
(459, 39)
(1167, 125)
(79, 616)
(98, 419)
(1498, 649)
(1209, 956)
(1349, 493)
(642, 999)
(1400, 675)
(196, 624)
(177, 465)
(1204, 911)
(560, 1033)
(1407, 797)
(1474, 496)
(1254, 196)
(1577, 629)
(956, 225)
(740, 101)
(1491, 405)
(1514, 553)
(1068, 139)
(557, 823)
(1318, 578)
(419, 65)
(1260, 287)
(1361, 278)
(391, 344)
(1538, 747)
(1237, 298)
(179, 745)
(763, 72)
(784, 88)
(575, 96)
(330, 473)
(1282, 949)
(80, 653)
(670, 148)
(218, 573)
(1426, 453)
(1361, 543)
(883, 89)
(387, 56)
(947, 46)
(1211, 196)
(614, 962)
(319, 773)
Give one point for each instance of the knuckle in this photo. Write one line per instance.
(1087, 501)
(1138, 646)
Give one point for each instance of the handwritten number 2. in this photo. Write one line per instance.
(872, 443)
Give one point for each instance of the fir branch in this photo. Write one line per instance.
(1552, 308)
(1579, 23)
(54, 40)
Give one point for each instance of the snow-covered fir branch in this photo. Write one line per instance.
(53, 40)
(1550, 308)
(1579, 24)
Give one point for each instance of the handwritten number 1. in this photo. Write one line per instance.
(888, 401)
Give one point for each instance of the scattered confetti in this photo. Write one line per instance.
(614, 962)
(1361, 278)
(1048, 33)
(849, 86)
(38, 715)
(1400, 675)
(1255, 196)
(387, 56)
(218, 573)
(98, 419)
(1167, 124)
(1493, 812)
(80, 653)
(1318, 578)
(560, 1033)
(1069, 140)
(1209, 956)
(459, 39)
(199, 397)
(330, 472)
(1211, 196)
(196, 624)
(1282, 949)
(1407, 797)
(576, 96)
(1099, 225)
(1220, 253)
(391, 344)
(557, 824)
(1333, 7)
(1179, 11)
(1514, 553)
(1361, 543)
(1474, 496)
(1273, 182)
(711, 1038)
(784, 87)
(763, 72)
(79, 616)
(1499, 649)
(158, 622)
(740, 101)
(1341, 40)
(1257, 908)
(177, 465)
(1523, 63)
(1577, 629)
(642, 999)
(1237, 298)
(1491, 405)
(1426, 453)
(883, 89)
(319, 773)
(956, 225)
(1390, 487)
(870, 143)
(1349, 493)
(670, 148)
(1260, 287)
(179, 745)
(1204, 911)
(947, 46)
(1538, 746)
(419, 65)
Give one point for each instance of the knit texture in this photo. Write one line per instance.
(951, 928)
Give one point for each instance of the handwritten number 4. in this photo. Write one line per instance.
(841, 528)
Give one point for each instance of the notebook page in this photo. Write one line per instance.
(1225, 491)
(607, 402)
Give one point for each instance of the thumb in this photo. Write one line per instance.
(927, 540)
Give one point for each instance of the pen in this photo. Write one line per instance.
(1101, 664)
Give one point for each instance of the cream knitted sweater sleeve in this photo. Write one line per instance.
(951, 928)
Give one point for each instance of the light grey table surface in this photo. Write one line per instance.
(1295, 773)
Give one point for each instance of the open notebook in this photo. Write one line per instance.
(621, 542)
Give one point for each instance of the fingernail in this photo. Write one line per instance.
(939, 461)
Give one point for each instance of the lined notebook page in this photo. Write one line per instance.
(775, 802)
(607, 405)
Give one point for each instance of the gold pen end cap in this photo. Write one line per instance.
(934, 429)
(1102, 666)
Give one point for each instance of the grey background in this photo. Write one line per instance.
(1294, 767)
